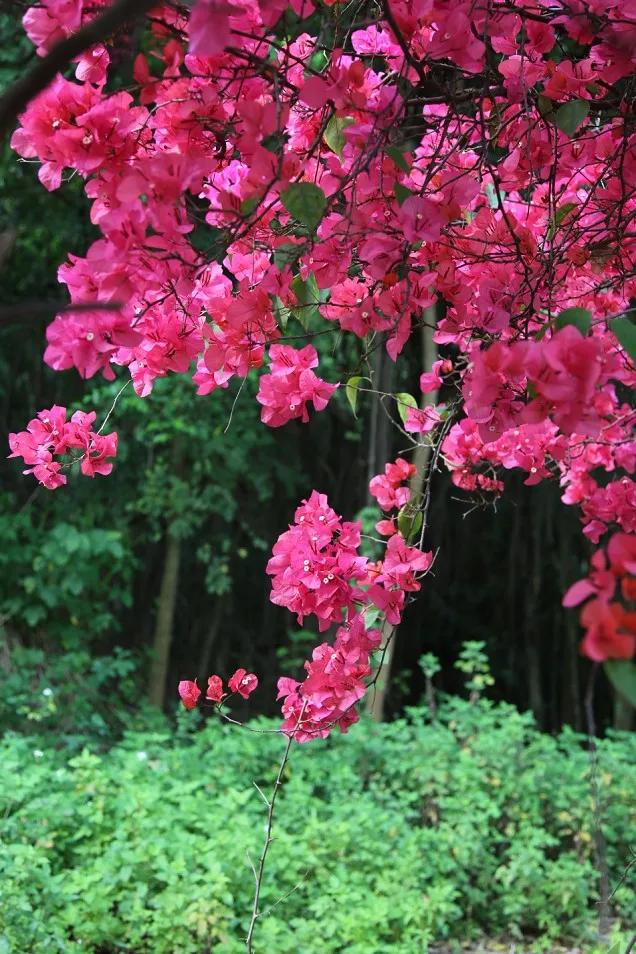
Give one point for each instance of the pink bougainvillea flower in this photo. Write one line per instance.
(214, 691)
(189, 692)
(243, 682)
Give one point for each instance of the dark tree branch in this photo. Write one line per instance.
(17, 97)
(45, 310)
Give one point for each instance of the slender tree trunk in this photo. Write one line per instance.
(376, 700)
(571, 686)
(210, 639)
(162, 639)
(623, 713)
(380, 431)
(535, 694)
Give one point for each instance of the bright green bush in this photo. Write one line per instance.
(385, 839)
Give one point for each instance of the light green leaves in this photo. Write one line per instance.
(404, 402)
(334, 133)
(351, 391)
(409, 522)
(306, 202)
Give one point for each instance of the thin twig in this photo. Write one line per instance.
(258, 873)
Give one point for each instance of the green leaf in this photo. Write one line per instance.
(308, 297)
(402, 193)
(248, 205)
(281, 313)
(334, 133)
(404, 402)
(581, 318)
(306, 202)
(625, 331)
(351, 391)
(398, 158)
(622, 674)
(286, 254)
(569, 117)
(545, 106)
(409, 522)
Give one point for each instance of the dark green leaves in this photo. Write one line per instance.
(402, 193)
(569, 117)
(622, 674)
(581, 318)
(398, 158)
(306, 202)
(308, 297)
(625, 331)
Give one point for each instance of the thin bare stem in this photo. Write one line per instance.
(259, 871)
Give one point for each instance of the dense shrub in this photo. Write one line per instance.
(386, 839)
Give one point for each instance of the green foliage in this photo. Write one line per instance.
(386, 839)
(70, 696)
(473, 662)
(569, 116)
(430, 665)
(68, 580)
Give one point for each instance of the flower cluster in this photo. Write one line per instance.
(315, 562)
(316, 569)
(242, 683)
(291, 384)
(290, 179)
(610, 628)
(49, 436)
(388, 488)
(334, 684)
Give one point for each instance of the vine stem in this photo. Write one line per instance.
(271, 803)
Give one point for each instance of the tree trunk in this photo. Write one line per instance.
(162, 639)
(376, 700)
(210, 639)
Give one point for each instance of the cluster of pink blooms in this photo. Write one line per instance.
(388, 488)
(290, 177)
(316, 569)
(314, 563)
(49, 436)
(610, 628)
(568, 374)
(335, 683)
(242, 683)
(285, 392)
